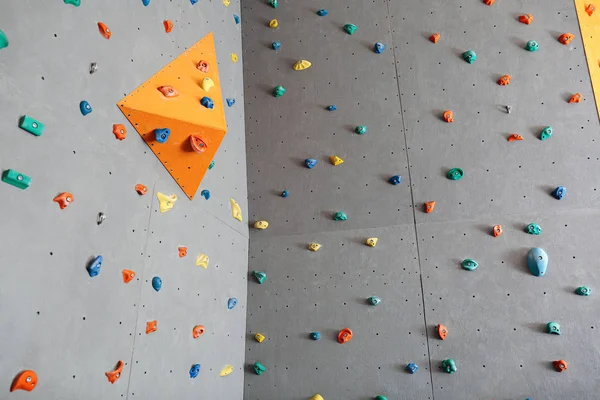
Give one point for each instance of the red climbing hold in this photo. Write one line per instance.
(198, 331)
(435, 37)
(442, 331)
(168, 91)
(128, 275)
(566, 38)
(488, 2)
(497, 230)
(344, 336)
(104, 31)
(202, 66)
(429, 206)
(168, 25)
(560, 365)
(198, 144)
(448, 116)
(151, 326)
(115, 374)
(141, 189)
(63, 199)
(526, 19)
(119, 131)
(504, 80)
(182, 251)
(576, 98)
(515, 136)
(25, 380)
(589, 9)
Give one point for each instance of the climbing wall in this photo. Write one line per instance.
(66, 326)
(496, 315)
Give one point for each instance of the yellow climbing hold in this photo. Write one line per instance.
(259, 338)
(234, 57)
(207, 84)
(314, 246)
(226, 370)
(335, 160)
(301, 65)
(371, 242)
(317, 397)
(261, 225)
(273, 23)
(166, 202)
(226, 3)
(236, 211)
(202, 261)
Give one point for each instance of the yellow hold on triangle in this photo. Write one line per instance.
(207, 84)
(226, 370)
(236, 211)
(301, 65)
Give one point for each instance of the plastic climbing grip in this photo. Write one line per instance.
(449, 366)
(317, 397)
(448, 116)
(322, 12)
(554, 328)
(75, 3)
(442, 331)
(115, 374)
(194, 371)
(168, 91)
(104, 31)
(230, 102)
(278, 91)
(515, 137)
(532, 46)
(205, 193)
(259, 337)
(429, 206)
(3, 40)
(275, 45)
(378, 47)
(236, 211)
(576, 98)
(273, 23)
(301, 65)
(202, 261)
(559, 193)
(16, 179)
(489, 2)
(469, 56)
(207, 84)
(85, 107)
(469, 264)
(207, 102)
(583, 291)
(361, 129)
(526, 19)
(25, 380)
(315, 335)
(231, 303)
(63, 200)
(141, 189)
(533, 229)
(344, 336)
(166, 202)
(497, 231)
(94, 267)
(151, 326)
(374, 300)
(310, 163)
(168, 24)
(335, 160)
(119, 131)
(350, 29)
(314, 246)
(504, 80)
(412, 368)
(455, 174)
(589, 9)
(566, 38)
(261, 277)
(434, 38)
(157, 283)
(128, 275)
(228, 369)
(372, 242)
(340, 216)
(560, 365)
(203, 66)
(537, 261)
(259, 368)
(198, 145)
(31, 125)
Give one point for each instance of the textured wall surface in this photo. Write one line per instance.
(58, 321)
(497, 314)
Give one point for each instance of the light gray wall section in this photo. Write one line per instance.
(497, 314)
(58, 321)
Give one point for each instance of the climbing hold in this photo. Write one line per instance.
(128, 275)
(141, 189)
(508, 108)
(16, 179)
(278, 91)
(322, 12)
(273, 23)
(115, 374)
(236, 18)
(93, 268)
(100, 218)
(276, 45)
(197, 331)
(559, 192)
(497, 231)
(234, 58)
(504, 80)
(344, 336)
(259, 337)
(259, 368)
(315, 335)
(455, 174)
(207, 84)
(198, 145)
(236, 211)
(546, 133)
(395, 180)
(317, 397)
(589, 9)
(429, 206)
(285, 193)
(119, 131)
(514, 137)
(350, 29)
(261, 277)
(335, 160)
(273, 3)
(469, 56)
(205, 193)
(442, 331)
(261, 225)
(361, 129)
(228, 369)
(488, 2)
(156, 283)
(25, 380)
(372, 242)
(85, 107)
(449, 366)
(301, 65)
(232, 302)
(207, 102)
(537, 261)
(166, 202)
(576, 98)
(378, 47)
(412, 368)
(553, 327)
(310, 163)
(340, 216)
(31, 125)
(168, 25)
(583, 291)
(202, 66)
(230, 102)
(532, 46)
(374, 300)
(202, 261)
(380, 397)
(448, 116)
(211, 165)
(145, 3)
(194, 370)
(75, 3)
(434, 38)
(533, 229)
(566, 38)
(526, 19)
(93, 67)
(151, 326)
(314, 246)
(168, 91)
(469, 264)
(104, 31)
(331, 108)
(63, 200)
(560, 365)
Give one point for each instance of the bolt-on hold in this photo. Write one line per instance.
(553, 327)
(273, 23)
(360, 129)
(236, 19)
(168, 25)
(537, 261)
(285, 193)
(469, 56)
(335, 160)
(469, 264)
(374, 300)
(202, 261)
(315, 335)
(162, 134)
(145, 3)
(448, 116)
(259, 368)
(378, 47)
(157, 283)
(202, 66)
(310, 163)
(504, 80)
(526, 19)
(274, 3)
(546, 133)
(455, 174)
(412, 368)
(560, 365)
(317, 397)
(372, 242)
(533, 229)
(344, 336)
(442, 331)
(211, 165)
(429, 206)
(194, 371)
(197, 331)
(93, 67)
(151, 326)
(566, 38)
(115, 374)
(314, 246)
(261, 277)
(166, 202)
(434, 38)
(340, 216)
(380, 397)
(261, 225)
(488, 2)
(532, 46)
(168, 91)
(230, 102)
(301, 65)
(75, 3)
(128, 275)
(559, 192)
(205, 193)
(85, 107)
(508, 109)
(589, 9)
(141, 189)
(93, 268)
(576, 98)
(236, 211)
(259, 337)
(207, 84)
(198, 145)
(395, 180)
(207, 102)
(275, 45)
(350, 29)
(583, 291)
(278, 91)
(331, 108)
(514, 137)
(100, 218)
(25, 380)
(104, 31)
(322, 12)
(449, 366)
(497, 230)
(31, 125)
(232, 302)
(119, 131)
(228, 369)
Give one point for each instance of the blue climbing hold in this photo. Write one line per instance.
(205, 193)
(322, 12)
(94, 267)
(537, 261)
(145, 3)
(232, 302)
(85, 107)
(162, 135)
(559, 192)
(285, 193)
(276, 45)
(412, 368)
(193, 1)
(315, 335)
(236, 18)
(194, 371)
(378, 48)
(331, 108)
(230, 102)
(156, 283)
(310, 162)
(207, 102)
(395, 180)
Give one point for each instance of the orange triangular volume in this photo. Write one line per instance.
(148, 109)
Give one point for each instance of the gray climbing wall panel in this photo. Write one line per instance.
(66, 326)
(496, 315)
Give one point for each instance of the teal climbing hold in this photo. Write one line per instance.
(211, 165)
(583, 291)
(16, 179)
(374, 300)
(380, 397)
(533, 229)
(360, 129)
(449, 366)
(340, 216)
(274, 3)
(469, 56)
(532, 46)
(3, 40)
(553, 327)
(469, 264)
(278, 91)
(261, 277)
(350, 29)
(455, 174)
(75, 3)
(537, 261)
(546, 133)
(259, 368)
(31, 125)
(322, 12)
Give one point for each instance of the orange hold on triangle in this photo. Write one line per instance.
(148, 109)
(589, 9)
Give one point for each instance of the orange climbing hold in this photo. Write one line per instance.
(429, 206)
(151, 326)
(442, 331)
(576, 98)
(104, 31)
(128, 275)
(344, 336)
(119, 131)
(25, 380)
(435, 37)
(566, 38)
(63, 199)
(589, 9)
(526, 19)
(504, 80)
(560, 365)
(168, 91)
(168, 25)
(198, 145)
(115, 374)
(488, 2)
(198, 331)
(448, 116)
(497, 230)
(141, 189)
(182, 251)
(202, 66)
(515, 136)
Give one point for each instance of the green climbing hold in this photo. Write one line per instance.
(380, 397)
(554, 327)
(75, 3)
(261, 277)
(583, 291)
(16, 179)
(3, 40)
(455, 174)
(449, 366)
(259, 368)
(211, 165)
(546, 133)
(360, 129)
(532, 46)
(278, 91)
(374, 300)
(469, 56)
(350, 28)
(469, 264)
(340, 216)
(533, 229)
(31, 125)
(274, 3)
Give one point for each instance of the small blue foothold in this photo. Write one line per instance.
(378, 48)
(85, 107)
(537, 261)
(236, 18)
(331, 108)
(285, 193)
(315, 335)
(156, 283)
(162, 135)
(193, 1)
(207, 102)
(395, 180)
(232, 302)
(205, 193)
(322, 13)
(230, 102)
(145, 2)
(94, 267)
(194, 371)
(559, 192)
(412, 368)
(276, 45)
(310, 162)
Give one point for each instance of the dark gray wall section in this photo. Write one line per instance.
(496, 315)
(70, 328)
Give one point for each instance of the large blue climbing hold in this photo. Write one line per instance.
(232, 302)
(276, 45)
(395, 180)
(162, 135)
(94, 267)
(236, 18)
(85, 107)
(194, 371)
(322, 12)
(207, 102)
(559, 192)
(310, 163)
(537, 261)
(145, 2)
(378, 48)
(230, 102)
(331, 108)
(156, 283)
(205, 193)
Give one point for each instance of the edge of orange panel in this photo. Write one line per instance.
(589, 27)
